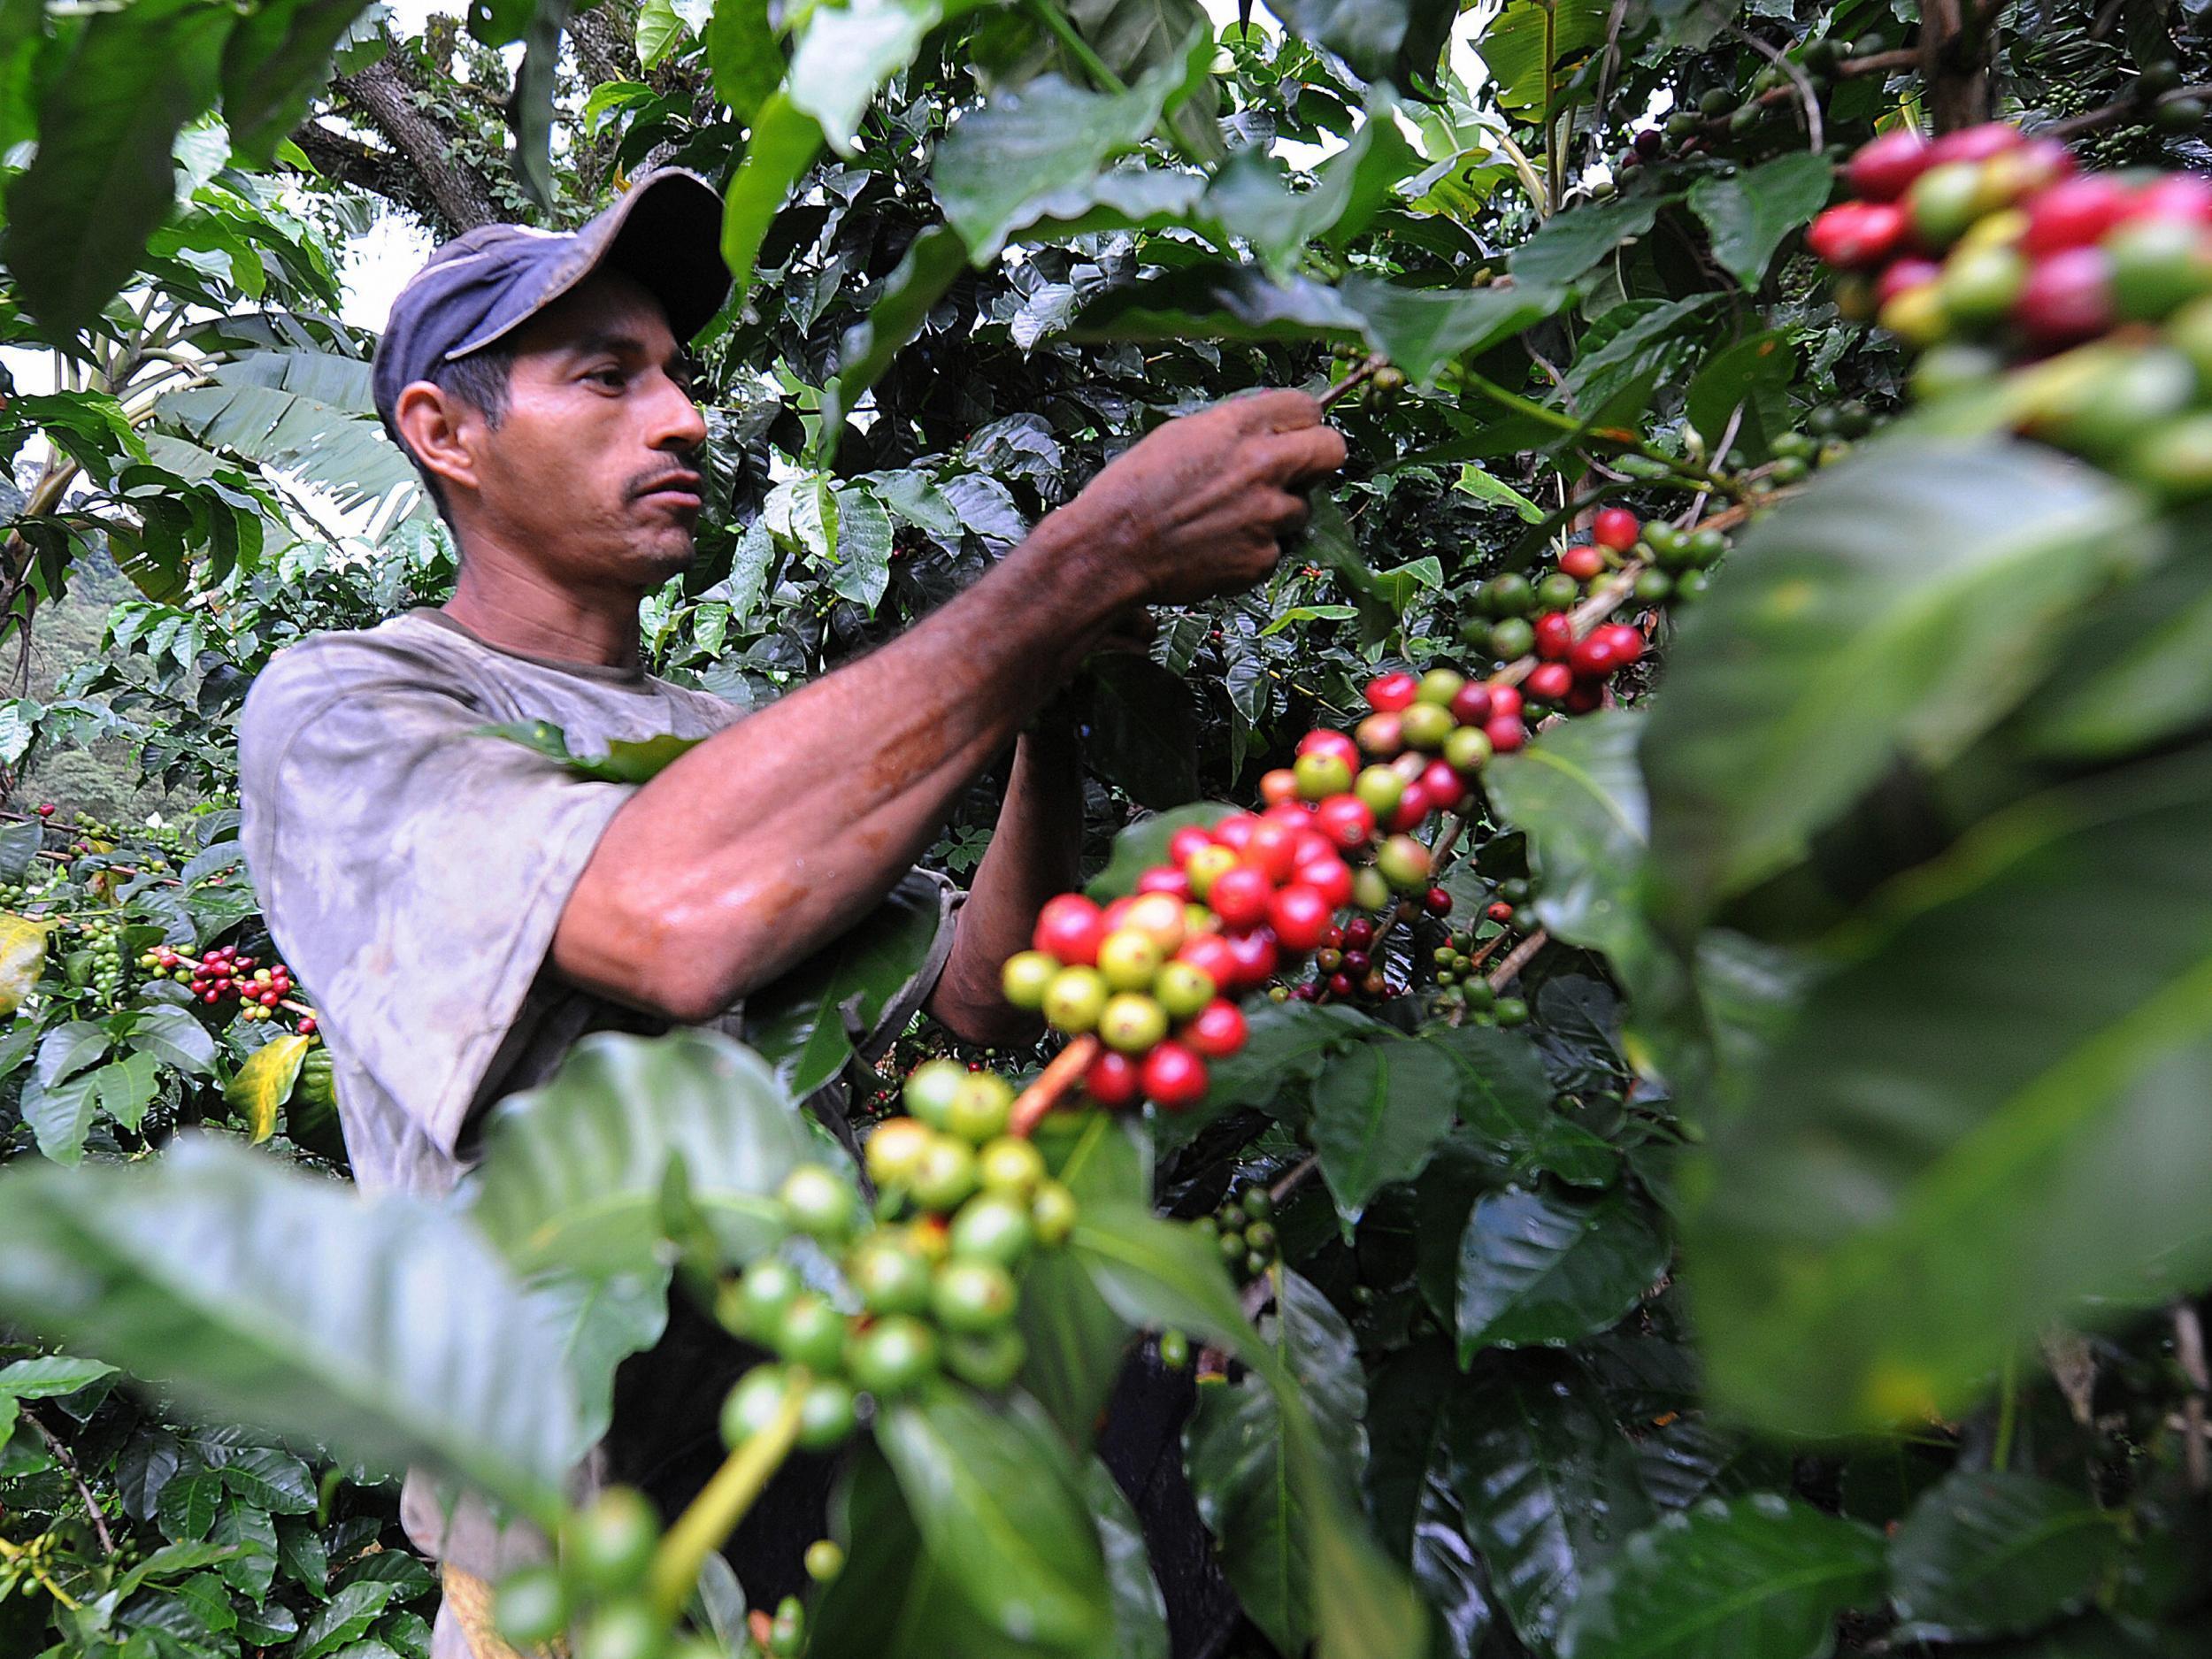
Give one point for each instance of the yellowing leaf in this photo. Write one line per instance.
(22, 955)
(264, 1082)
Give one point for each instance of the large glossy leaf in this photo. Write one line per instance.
(576, 1170)
(930, 263)
(803, 1025)
(1760, 1576)
(1074, 1337)
(1138, 1611)
(1505, 1097)
(998, 1500)
(1548, 1483)
(1569, 244)
(1421, 330)
(22, 959)
(1144, 734)
(102, 180)
(1528, 41)
(741, 51)
(1158, 1274)
(896, 1599)
(1896, 610)
(847, 52)
(1144, 844)
(1997, 1554)
(2140, 668)
(389, 1329)
(1251, 195)
(276, 60)
(1026, 157)
(1536, 1269)
(626, 761)
(1378, 1109)
(784, 142)
(1371, 35)
(1749, 212)
(279, 426)
(1942, 1154)
(1238, 1458)
(260, 1087)
(1578, 794)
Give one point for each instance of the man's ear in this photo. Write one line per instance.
(440, 430)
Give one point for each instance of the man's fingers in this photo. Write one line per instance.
(1290, 514)
(1298, 457)
(1281, 410)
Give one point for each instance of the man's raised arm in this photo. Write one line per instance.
(767, 840)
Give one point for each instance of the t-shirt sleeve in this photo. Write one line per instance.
(411, 869)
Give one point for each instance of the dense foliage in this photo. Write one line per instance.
(1757, 1208)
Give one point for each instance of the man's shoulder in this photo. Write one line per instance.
(402, 654)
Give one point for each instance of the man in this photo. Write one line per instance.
(464, 909)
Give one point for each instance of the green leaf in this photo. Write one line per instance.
(50, 1376)
(741, 51)
(60, 1115)
(625, 761)
(1529, 39)
(659, 31)
(102, 180)
(1754, 375)
(1894, 610)
(1144, 844)
(286, 1299)
(785, 141)
(259, 1087)
(1017, 160)
(1144, 736)
(1749, 212)
(172, 1036)
(863, 566)
(126, 1087)
(1239, 1459)
(1373, 36)
(20, 844)
(1422, 330)
(2141, 667)
(999, 1503)
(531, 105)
(1073, 1337)
(1761, 1575)
(1569, 244)
(847, 52)
(1140, 1612)
(1251, 197)
(343, 1619)
(68, 1048)
(2038, 1135)
(1496, 493)
(1377, 1111)
(896, 1599)
(250, 1534)
(1991, 1553)
(574, 1173)
(276, 60)
(805, 1024)
(932, 261)
(1548, 1483)
(1159, 1275)
(1538, 1269)
(1578, 794)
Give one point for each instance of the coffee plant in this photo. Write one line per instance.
(1631, 1072)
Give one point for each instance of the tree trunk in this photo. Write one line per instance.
(458, 193)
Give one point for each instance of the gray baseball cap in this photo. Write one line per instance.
(665, 232)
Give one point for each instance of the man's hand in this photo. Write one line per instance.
(1201, 506)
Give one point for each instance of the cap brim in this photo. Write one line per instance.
(666, 230)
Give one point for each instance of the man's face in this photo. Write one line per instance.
(591, 474)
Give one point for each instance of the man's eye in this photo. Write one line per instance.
(612, 378)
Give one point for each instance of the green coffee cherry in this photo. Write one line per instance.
(610, 1545)
(531, 1608)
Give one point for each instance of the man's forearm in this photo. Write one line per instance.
(1036, 852)
(758, 845)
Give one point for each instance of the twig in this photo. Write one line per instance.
(62, 1457)
(2114, 114)
(1357, 379)
(1051, 1085)
(1815, 133)
(2189, 1352)
(712, 1516)
(1510, 969)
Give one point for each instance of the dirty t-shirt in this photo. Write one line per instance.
(413, 870)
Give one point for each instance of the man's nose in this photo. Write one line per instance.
(678, 421)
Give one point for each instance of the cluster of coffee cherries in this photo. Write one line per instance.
(100, 938)
(97, 835)
(2088, 295)
(1243, 1229)
(223, 972)
(928, 1284)
(1517, 618)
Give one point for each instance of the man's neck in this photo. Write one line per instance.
(508, 605)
